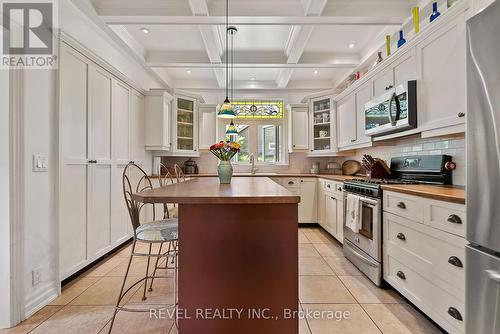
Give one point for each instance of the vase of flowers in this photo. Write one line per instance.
(225, 151)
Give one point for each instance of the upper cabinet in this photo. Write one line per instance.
(158, 120)
(208, 125)
(400, 71)
(298, 126)
(184, 130)
(442, 87)
(322, 136)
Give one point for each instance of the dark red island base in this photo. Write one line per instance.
(238, 255)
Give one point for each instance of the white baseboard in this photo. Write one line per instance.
(40, 298)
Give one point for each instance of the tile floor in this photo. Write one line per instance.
(327, 282)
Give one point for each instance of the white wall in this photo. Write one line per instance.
(5, 243)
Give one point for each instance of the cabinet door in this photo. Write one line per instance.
(300, 126)
(405, 68)
(441, 90)
(307, 206)
(137, 119)
(121, 123)
(383, 81)
(73, 74)
(331, 214)
(208, 131)
(99, 199)
(321, 203)
(362, 96)
(185, 125)
(340, 219)
(346, 114)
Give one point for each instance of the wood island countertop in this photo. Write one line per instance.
(208, 190)
(452, 194)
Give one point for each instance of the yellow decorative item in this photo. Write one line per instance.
(388, 44)
(416, 19)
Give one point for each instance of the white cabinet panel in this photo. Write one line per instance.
(346, 114)
(383, 81)
(331, 214)
(405, 68)
(120, 221)
(99, 216)
(300, 127)
(441, 89)
(207, 128)
(158, 104)
(363, 95)
(121, 123)
(307, 205)
(137, 119)
(100, 128)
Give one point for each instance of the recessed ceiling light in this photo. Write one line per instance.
(188, 71)
(351, 45)
(316, 72)
(252, 78)
(145, 30)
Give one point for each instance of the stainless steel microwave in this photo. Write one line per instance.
(394, 111)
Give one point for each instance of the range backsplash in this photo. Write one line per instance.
(300, 163)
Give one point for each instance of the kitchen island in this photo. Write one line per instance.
(238, 254)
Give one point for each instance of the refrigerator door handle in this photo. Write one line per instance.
(493, 275)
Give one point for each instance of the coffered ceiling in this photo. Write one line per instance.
(285, 44)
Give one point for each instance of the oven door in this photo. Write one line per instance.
(369, 237)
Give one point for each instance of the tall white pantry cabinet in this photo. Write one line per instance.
(101, 130)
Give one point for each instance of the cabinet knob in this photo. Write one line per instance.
(339, 189)
(401, 274)
(455, 313)
(401, 205)
(92, 161)
(401, 236)
(454, 219)
(353, 140)
(461, 114)
(132, 162)
(290, 183)
(328, 186)
(455, 261)
(389, 87)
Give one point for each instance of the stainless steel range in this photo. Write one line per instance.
(364, 248)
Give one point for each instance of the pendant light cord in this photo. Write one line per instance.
(227, 53)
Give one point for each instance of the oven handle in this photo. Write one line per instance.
(352, 248)
(395, 98)
(364, 199)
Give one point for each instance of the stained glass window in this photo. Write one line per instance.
(258, 109)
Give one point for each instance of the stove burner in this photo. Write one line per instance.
(385, 181)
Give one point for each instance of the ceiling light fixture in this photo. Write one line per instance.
(252, 78)
(227, 110)
(145, 30)
(316, 72)
(351, 45)
(188, 71)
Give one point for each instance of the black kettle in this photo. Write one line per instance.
(190, 167)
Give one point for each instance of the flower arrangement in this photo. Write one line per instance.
(225, 151)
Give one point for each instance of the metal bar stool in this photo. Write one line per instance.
(179, 174)
(154, 232)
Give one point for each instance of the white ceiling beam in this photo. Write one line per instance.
(297, 42)
(252, 20)
(250, 65)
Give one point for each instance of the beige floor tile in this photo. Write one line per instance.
(314, 266)
(303, 327)
(341, 319)
(76, 320)
(162, 294)
(102, 268)
(366, 292)
(399, 319)
(342, 266)
(74, 289)
(302, 238)
(137, 268)
(153, 321)
(308, 250)
(33, 321)
(105, 292)
(323, 289)
(331, 249)
(316, 235)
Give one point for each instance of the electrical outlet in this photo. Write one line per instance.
(40, 163)
(36, 276)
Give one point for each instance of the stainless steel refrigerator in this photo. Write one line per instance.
(483, 172)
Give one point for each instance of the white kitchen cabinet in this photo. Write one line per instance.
(363, 96)
(442, 87)
(402, 69)
(137, 128)
(307, 205)
(346, 114)
(322, 127)
(158, 120)
(331, 209)
(208, 125)
(299, 119)
(185, 125)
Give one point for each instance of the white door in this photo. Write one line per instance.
(99, 202)
(120, 221)
(73, 73)
(331, 215)
(363, 95)
(300, 127)
(307, 206)
(346, 114)
(137, 126)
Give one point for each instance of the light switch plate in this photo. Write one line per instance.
(40, 163)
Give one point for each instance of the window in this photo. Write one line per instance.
(260, 131)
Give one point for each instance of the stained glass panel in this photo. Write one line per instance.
(258, 109)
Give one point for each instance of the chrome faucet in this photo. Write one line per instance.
(252, 161)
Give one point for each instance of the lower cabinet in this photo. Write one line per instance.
(308, 203)
(331, 208)
(426, 264)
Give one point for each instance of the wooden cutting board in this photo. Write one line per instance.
(351, 167)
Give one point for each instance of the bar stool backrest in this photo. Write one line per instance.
(167, 178)
(179, 174)
(136, 180)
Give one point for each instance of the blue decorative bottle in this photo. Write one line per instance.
(401, 40)
(435, 14)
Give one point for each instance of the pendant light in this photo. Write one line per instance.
(232, 130)
(226, 110)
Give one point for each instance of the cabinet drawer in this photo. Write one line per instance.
(437, 303)
(449, 217)
(291, 182)
(332, 186)
(438, 256)
(407, 206)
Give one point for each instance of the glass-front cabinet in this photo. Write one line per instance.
(185, 124)
(322, 124)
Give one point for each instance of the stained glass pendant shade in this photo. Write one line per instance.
(226, 110)
(231, 129)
